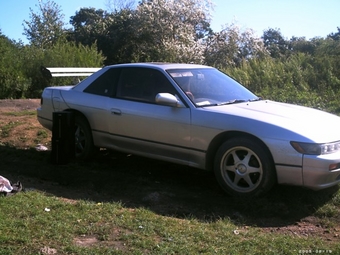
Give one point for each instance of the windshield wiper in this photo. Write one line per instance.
(255, 99)
(234, 101)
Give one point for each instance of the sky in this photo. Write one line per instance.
(299, 18)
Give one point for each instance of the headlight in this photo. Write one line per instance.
(315, 148)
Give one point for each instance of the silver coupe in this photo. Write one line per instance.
(198, 116)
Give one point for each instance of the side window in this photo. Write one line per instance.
(142, 84)
(105, 84)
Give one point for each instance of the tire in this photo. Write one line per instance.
(244, 168)
(83, 138)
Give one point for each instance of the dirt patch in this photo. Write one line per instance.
(9, 105)
(19, 126)
(165, 188)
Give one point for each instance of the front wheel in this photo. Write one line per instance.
(83, 138)
(244, 168)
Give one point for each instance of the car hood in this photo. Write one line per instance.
(314, 125)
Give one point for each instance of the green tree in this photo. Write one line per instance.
(89, 24)
(46, 26)
(275, 43)
(62, 53)
(13, 82)
(300, 44)
(158, 30)
(114, 33)
(335, 36)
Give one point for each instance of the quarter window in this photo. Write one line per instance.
(105, 84)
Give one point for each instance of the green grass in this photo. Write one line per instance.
(5, 129)
(42, 134)
(102, 202)
(21, 113)
(39, 220)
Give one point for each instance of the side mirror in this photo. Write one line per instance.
(168, 99)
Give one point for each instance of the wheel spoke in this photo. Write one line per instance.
(80, 139)
(248, 180)
(237, 178)
(235, 157)
(251, 169)
(80, 146)
(246, 159)
(77, 132)
(230, 168)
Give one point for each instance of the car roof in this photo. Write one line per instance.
(161, 65)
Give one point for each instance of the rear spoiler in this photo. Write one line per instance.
(49, 72)
(71, 71)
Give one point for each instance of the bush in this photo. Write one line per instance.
(13, 81)
(299, 79)
(20, 66)
(63, 54)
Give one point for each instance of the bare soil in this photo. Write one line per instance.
(164, 188)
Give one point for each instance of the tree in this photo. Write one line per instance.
(62, 53)
(157, 30)
(300, 44)
(174, 28)
(88, 24)
(114, 33)
(275, 43)
(13, 82)
(117, 5)
(46, 26)
(335, 36)
(231, 46)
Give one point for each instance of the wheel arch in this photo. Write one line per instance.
(221, 138)
(89, 148)
(79, 113)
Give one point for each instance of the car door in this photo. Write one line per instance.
(138, 125)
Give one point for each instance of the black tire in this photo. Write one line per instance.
(244, 168)
(83, 138)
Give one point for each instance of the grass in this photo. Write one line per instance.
(21, 113)
(123, 204)
(47, 221)
(5, 129)
(94, 209)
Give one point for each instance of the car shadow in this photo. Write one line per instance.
(165, 188)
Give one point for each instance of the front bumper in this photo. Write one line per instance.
(316, 171)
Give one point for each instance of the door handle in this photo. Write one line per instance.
(116, 111)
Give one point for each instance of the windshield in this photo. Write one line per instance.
(210, 87)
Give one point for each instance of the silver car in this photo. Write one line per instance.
(197, 116)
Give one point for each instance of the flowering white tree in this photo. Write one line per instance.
(232, 45)
(174, 28)
(165, 30)
(46, 26)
